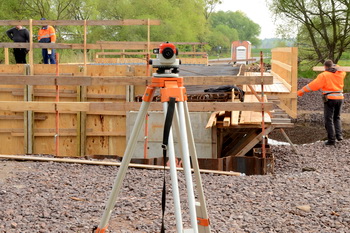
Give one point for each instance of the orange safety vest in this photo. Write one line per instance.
(331, 84)
(47, 35)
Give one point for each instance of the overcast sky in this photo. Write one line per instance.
(256, 10)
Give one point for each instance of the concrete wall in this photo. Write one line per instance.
(203, 138)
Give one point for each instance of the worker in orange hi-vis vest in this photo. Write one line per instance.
(47, 34)
(331, 83)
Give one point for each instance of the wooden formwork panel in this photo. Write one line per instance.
(12, 69)
(285, 67)
(11, 133)
(12, 123)
(45, 126)
(105, 133)
(121, 60)
(194, 61)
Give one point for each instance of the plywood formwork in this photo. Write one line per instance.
(12, 122)
(103, 130)
(103, 134)
(284, 64)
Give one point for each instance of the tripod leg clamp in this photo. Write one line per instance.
(203, 222)
(98, 230)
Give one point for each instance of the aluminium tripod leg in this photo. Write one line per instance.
(187, 166)
(174, 180)
(202, 212)
(129, 151)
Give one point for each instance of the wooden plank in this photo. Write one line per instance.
(7, 60)
(341, 68)
(104, 107)
(282, 49)
(25, 80)
(285, 83)
(125, 80)
(144, 53)
(250, 117)
(227, 121)
(212, 120)
(64, 133)
(235, 114)
(81, 22)
(104, 163)
(151, 43)
(221, 113)
(120, 53)
(254, 141)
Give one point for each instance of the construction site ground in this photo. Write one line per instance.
(309, 192)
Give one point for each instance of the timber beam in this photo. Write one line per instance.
(341, 68)
(125, 22)
(112, 107)
(126, 80)
(119, 46)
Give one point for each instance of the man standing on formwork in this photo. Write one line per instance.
(47, 34)
(19, 34)
(331, 83)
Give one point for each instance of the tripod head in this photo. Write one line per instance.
(166, 63)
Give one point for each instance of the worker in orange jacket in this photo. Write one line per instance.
(331, 83)
(47, 34)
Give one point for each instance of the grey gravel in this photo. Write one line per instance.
(58, 197)
(309, 192)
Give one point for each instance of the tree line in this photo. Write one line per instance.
(182, 20)
(321, 27)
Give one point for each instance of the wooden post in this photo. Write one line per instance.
(7, 60)
(31, 52)
(85, 45)
(29, 115)
(294, 76)
(83, 98)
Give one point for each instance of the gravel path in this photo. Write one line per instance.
(309, 192)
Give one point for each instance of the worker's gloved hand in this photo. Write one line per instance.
(300, 93)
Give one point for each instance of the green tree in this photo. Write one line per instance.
(222, 35)
(245, 27)
(182, 20)
(210, 6)
(322, 26)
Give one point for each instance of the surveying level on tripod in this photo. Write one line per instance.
(166, 61)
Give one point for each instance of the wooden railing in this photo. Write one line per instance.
(284, 63)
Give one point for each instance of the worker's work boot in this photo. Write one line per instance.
(329, 143)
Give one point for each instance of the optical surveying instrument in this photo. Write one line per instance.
(174, 99)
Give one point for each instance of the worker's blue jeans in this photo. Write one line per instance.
(332, 110)
(49, 57)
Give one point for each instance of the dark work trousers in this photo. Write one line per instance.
(20, 55)
(332, 110)
(49, 57)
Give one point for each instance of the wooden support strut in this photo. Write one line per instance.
(262, 108)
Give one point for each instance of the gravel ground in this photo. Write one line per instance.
(312, 101)
(309, 192)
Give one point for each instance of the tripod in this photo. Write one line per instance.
(171, 86)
